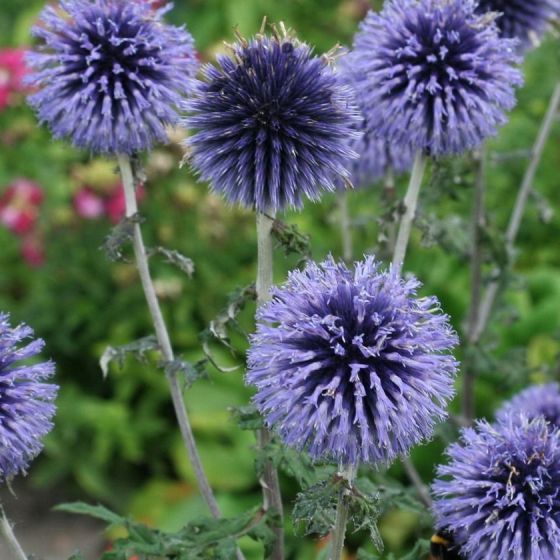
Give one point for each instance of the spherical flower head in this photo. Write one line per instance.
(273, 124)
(435, 74)
(499, 493)
(526, 20)
(376, 157)
(26, 402)
(539, 400)
(350, 364)
(110, 73)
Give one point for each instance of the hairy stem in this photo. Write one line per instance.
(342, 511)
(477, 262)
(521, 202)
(345, 226)
(272, 495)
(410, 204)
(8, 533)
(163, 336)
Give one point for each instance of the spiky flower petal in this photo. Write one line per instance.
(535, 401)
(350, 364)
(26, 402)
(435, 74)
(376, 157)
(526, 20)
(499, 493)
(110, 73)
(273, 124)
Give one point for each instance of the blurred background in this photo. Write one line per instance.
(115, 439)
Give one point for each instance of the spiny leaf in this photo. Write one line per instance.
(190, 373)
(176, 258)
(119, 236)
(138, 349)
(247, 417)
(315, 508)
(291, 239)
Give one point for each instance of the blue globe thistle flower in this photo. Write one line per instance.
(375, 156)
(26, 402)
(350, 364)
(273, 124)
(110, 73)
(435, 74)
(526, 20)
(539, 400)
(499, 493)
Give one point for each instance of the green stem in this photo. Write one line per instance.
(8, 533)
(272, 495)
(163, 337)
(410, 205)
(342, 512)
(477, 261)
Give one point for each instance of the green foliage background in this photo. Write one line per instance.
(115, 439)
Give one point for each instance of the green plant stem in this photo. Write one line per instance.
(272, 495)
(342, 512)
(399, 254)
(477, 261)
(345, 226)
(163, 337)
(487, 303)
(410, 204)
(8, 533)
(389, 197)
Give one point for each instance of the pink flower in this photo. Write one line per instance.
(12, 72)
(88, 204)
(115, 204)
(33, 250)
(19, 206)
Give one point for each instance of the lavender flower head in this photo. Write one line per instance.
(350, 364)
(526, 20)
(539, 400)
(434, 73)
(376, 157)
(26, 402)
(110, 73)
(273, 124)
(499, 493)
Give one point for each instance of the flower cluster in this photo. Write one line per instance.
(26, 401)
(525, 20)
(272, 124)
(20, 205)
(350, 364)
(434, 73)
(110, 73)
(12, 72)
(539, 400)
(499, 493)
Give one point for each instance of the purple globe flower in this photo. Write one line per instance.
(539, 400)
(435, 74)
(526, 20)
(110, 73)
(499, 493)
(350, 364)
(273, 124)
(375, 156)
(26, 402)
